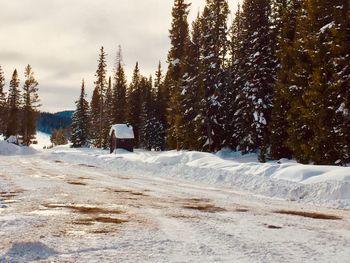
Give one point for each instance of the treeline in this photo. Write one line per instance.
(275, 82)
(48, 122)
(19, 108)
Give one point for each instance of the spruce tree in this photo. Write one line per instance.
(214, 60)
(134, 110)
(286, 20)
(192, 93)
(3, 103)
(14, 103)
(98, 119)
(179, 38)
(256, 76)
(108, 114)
(80, 121)
(119, 91)
(94, 123)
(233, 102)
(321, 97)
(30, 107)
(161, 99)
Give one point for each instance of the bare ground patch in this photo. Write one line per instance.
(100, 219)
(314, 215)
(76, 183)
(242, 210)
(86, 209)
(10, 195)
(205, 208)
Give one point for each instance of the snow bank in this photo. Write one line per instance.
(12, 149)
(322, 185)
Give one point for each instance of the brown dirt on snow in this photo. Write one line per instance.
(314, 215)
(86, 209)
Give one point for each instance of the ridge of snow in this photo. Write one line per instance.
(320, 185)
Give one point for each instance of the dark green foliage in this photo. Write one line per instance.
(214, 51)
(14, 103)
(192, 93)
(179, 38)
(286, 17)
(119, 92)
(80, 121)
(256, 76)
(134, 109)
(30, 107)
(98, 118)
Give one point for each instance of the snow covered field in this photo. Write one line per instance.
(89, 206)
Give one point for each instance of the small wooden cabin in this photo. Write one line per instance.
(122, 137)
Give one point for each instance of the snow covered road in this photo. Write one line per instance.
(55, 208)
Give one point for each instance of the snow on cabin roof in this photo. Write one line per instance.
(122, 131)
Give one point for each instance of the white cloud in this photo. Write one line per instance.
(61, 40)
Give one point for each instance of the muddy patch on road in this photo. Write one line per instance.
(10, 196)
(93, 220)
(82, 209)
(314, 215)
(75, 182)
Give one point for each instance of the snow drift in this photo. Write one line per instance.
(321, 185)
(13, 149)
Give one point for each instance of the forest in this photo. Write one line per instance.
(275, 82)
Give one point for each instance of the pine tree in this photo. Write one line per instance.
(233, 102)
(322, 95)
(99, 96)
(80, 121)
(214, 60)
(192, 93)
(256, 76)
(94, 122)
(161, 99)
(286, 21)
(3, 103)
(30, 107)
(119, 91)
(108, 114)
(134, 109)
(14, 104)
(179, 38)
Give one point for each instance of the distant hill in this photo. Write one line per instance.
(67, 113)
(47, 122)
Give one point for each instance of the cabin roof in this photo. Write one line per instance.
(122, 131)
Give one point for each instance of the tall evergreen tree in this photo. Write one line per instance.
(94, 122)
(80, 121)
(321, 92)
(214, 55)
(119, 91)
(286, 20)
(3, 103)
(30, 107)
(108, 114)
(98, 119)
(256, 76)
(134, 110)
(161, 99)
(179, 38)
(14, 103)
(233, 102)
(192, 92)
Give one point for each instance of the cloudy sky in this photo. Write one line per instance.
(61, 39)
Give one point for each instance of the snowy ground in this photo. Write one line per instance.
(67, 205)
